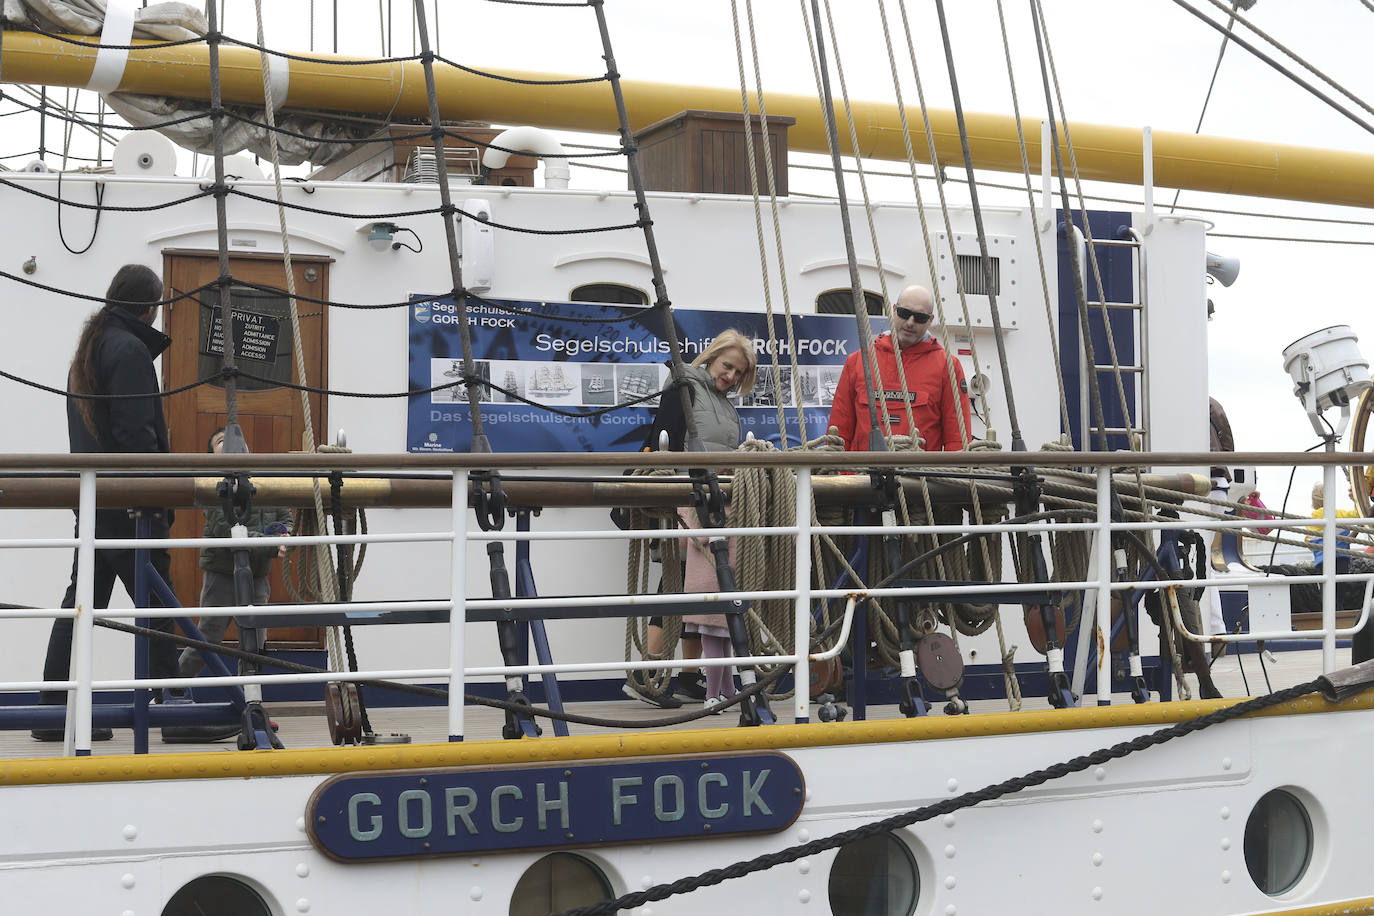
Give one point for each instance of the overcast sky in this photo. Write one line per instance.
(1131, 64)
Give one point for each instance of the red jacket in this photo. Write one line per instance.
(932, 397)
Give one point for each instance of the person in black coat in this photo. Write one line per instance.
(114, 358)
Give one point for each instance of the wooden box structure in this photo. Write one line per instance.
(705, 152)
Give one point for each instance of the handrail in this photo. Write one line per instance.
(458, 607)
(544, 461)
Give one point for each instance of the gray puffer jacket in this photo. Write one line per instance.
(716, 418)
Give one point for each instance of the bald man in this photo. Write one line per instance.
(936, 403)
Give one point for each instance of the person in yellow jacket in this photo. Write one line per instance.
(1318, 511)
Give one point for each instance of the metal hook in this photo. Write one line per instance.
(490, 501)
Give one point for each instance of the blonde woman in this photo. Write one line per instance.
(726, 367)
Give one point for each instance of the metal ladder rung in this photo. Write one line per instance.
(1123, 368)
(1130, 306)
(1121, 430)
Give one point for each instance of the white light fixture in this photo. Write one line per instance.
(1328, 371)
(1223, 270)
(380, 236)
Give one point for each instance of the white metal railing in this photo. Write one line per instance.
(1098, 587)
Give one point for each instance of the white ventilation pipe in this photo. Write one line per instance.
(537, 142)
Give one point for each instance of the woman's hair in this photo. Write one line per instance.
(1318, 496)
(726, 340)
(135, 289)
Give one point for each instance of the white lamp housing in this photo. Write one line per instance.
(1328, 371)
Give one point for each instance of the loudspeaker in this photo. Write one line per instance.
(1225, 270)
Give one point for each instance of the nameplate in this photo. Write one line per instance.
(468, 811)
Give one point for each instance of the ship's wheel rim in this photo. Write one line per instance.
(1359, 428)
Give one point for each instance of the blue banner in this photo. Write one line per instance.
(421, 813)
(571, 358)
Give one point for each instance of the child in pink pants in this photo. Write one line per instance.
(715, 637)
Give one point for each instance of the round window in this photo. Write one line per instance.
(874, 877)
(558, 882)
(216, 895)
(1278, 842)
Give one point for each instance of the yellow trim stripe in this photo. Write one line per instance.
(1359, 907)
(319, 761)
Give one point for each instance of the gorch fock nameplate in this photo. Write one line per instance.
(466, 811)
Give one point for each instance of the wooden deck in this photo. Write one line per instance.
(304, 726)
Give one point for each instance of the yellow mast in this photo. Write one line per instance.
(1104, 153)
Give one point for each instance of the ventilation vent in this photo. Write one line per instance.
(841, 302)
(975, 281)
(461, 162)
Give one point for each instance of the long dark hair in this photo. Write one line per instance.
(134, 289)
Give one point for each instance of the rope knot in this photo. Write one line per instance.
(832, 441)
(900, 443)
(1063, 444)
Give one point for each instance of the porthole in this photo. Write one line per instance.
(1278, 842)
(558, 882)
(216, 895)
(876, 876)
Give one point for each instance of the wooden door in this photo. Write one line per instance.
(271, 416)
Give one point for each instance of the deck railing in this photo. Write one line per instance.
(1098, 586)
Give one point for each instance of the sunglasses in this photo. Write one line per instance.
(904, 314)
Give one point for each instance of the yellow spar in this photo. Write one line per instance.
(1103, 152)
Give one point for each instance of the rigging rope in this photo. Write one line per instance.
(764, 275)
(945, 806)
(324, 565)
(1278, 66)
(1042, 28)
(959, 285)
(867, 355)
(1221, 52)
(225, 299)
(479, 438)
(1017, 443)
(888, 301)
(1050, 323)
